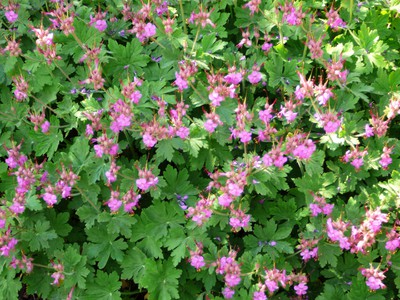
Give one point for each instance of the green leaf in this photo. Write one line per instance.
(9, 284)
(88, 215)
(46, 143)
(133, 264)
(166, 148)
(33, 203)
(104, 245)
(177, 183)
(40, 78)
(118, 223)
(314, 166)
(331, 293)
(176, 242)
(328, 253)
(39, 237)
(79, 152)
(105, 287)
(59, 222)
(129, 55)
(74, 268)
(38, 283)
(161, 280)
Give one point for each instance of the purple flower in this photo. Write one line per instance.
(259, 296)
(50, 199)
(149, 140)
(301, 289)
(149, 30)
(232, 279)
(255, 77)
(225, 200)
(100, 25)
(182, 132)
(114, 204)
(11, 16)
(45, 126)
(234, 78)
(197, 261)
(228, 293)
(375, 283)
(181, 83)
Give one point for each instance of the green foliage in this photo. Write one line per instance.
(172, 169)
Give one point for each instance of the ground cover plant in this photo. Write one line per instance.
(199, 149)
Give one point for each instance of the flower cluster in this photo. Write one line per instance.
(308, 249)
(146, 180)
(229, 267)
(374, 277)
(361, 237)
(355, 157)
(202, 211)
(7, 243)
(320, 206)
(196, 258)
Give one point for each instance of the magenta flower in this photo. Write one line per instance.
(100, 25)
(232, 279)
(197, 261)
(375, 283)
(259, 296)
(182, 132)
(254, 77)
(228, 293)
(149, 30)
(180, 82)
(50, 199)
(301, 289)
(45, 126)
(225, 200)
(11, 16)
(233, 78)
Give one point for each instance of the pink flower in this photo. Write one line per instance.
(182, 132)
(259, 296)
(232, 279)
(280, 161)
(197, 261)
(180, 82)
(50, 199)
(149, 30)
(255, 77)
(57, 276)
(228, 293)
(210, 126)
(375, 283)
(225, 200)
(234, 78)
(114, 204)
(11, 16)
(305, 150)
(45, 126)
(331, 127)
(149, 140)
(301, 289)
(357, 163)
(234, 189)
(315, 209)
(100, 25)
(271, 285)
(392, 245)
